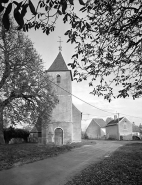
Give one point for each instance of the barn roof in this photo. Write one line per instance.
(73, 106)
(85, 124)
(114, 121)
(100, 122)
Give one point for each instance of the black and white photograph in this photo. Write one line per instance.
(70, 92)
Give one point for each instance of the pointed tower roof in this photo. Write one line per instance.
(58, 64)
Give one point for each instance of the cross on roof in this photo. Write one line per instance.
(60, 47)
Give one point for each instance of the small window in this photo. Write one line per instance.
(58, 78)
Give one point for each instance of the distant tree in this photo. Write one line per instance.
(25, 89)
(135, 128)
(140, 125)
(108, 120)
(140, 128)
(108, 38)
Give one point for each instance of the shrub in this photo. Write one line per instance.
(86, 136)
(112, 138)
(11, 132)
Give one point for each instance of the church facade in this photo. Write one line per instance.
(65, 125)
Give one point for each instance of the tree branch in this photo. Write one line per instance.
(14, 95)
(7, 65)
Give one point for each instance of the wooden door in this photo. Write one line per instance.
(58, 136)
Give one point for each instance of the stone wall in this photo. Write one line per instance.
(67, 131)
(63, 110)
(112, 132)
(76, 118)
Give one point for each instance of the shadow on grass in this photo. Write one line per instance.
(124, 166)
(18, 154)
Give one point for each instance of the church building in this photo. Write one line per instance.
(65, 125)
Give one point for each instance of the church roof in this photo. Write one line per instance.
(58, 64)
(73, 106)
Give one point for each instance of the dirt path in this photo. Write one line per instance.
(58, 170)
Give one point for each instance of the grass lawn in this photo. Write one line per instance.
(18, 154)
(124, 166)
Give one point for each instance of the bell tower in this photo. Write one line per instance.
(61, 119)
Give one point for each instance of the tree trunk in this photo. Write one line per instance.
(1, 126)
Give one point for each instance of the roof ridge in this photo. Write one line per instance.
(101, 124)
(114, 121)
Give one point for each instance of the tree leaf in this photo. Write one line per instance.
(68, 40)
(32, 8)
(65, 19)
(131, 1)
(71, 2)
(82, 29)
(64, 7)
(8, 9)
(59, 12)
(16, 3)
(81, 2)
(5, 21)
(1, 8)
(47, 31)
(25, 28)
(51, 4)
(67, 32)
(83, 9)
(19, 18)
(24, 10)
(4, 1)
(88, 26)
(109, 7)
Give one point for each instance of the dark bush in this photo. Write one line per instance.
(112, 138)
(11, 132)
(86, 136)
(135, 138)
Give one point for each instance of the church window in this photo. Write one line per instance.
(58, 78)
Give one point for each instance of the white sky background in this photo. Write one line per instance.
(47, 47)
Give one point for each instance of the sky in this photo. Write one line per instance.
(48, 48)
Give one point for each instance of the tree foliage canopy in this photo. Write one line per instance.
(108, 38)
(25, 90)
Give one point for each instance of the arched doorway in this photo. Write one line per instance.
(58, 136)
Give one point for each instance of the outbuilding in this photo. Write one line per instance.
(96, 129)
(119, 129)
